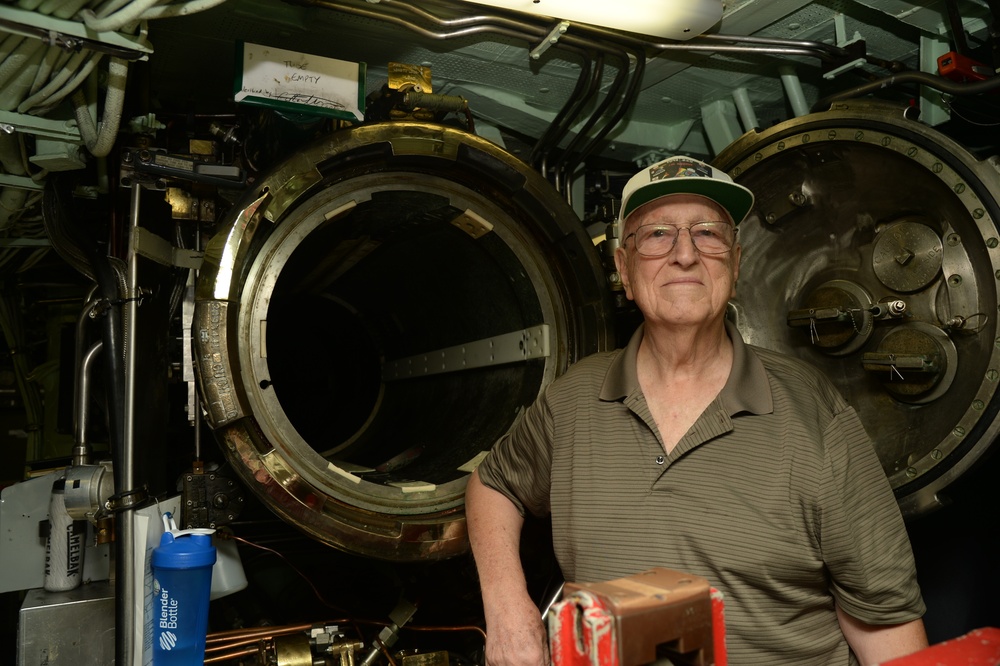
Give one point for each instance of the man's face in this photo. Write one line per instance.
(684, 286)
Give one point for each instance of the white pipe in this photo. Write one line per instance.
(9, 43)
(68, 10)
(78, 68)
(131, 13)
(745, 109)
(53, 59)
(10, 154)
(100, 141)
(91, 4)
(49, 6)
(18, 59)
(17, 87)
(67, 70)
(793, 89)
(180, 8)
(106, 9)
(30, 5)
(70, 86)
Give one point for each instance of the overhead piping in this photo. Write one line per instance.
(595, 40)
(582, 44)
(608, 46)
(469, 26)
(586, 86)
(631, 93)
(922, 78)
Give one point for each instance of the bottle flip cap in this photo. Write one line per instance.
(183, 553)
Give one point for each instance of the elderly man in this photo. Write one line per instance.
(691, 450)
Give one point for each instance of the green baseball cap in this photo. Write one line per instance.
(686, 175)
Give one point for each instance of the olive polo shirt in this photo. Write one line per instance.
(775, 495)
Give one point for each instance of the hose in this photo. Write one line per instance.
(53, 60)
(64, 9)
(131, 13)
(76, 61)
(10, 155)
(110, 7)
(180, 9)
(18, 59)
(100, 142)
(8, 43)
(78, 78)
(20, 82)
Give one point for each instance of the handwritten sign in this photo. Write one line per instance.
(299, 82)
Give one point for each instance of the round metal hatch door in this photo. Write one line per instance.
(375, 315)
(873, 252)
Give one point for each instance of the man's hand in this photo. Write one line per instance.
(515, 634)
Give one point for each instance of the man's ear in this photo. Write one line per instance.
(737, 253)
(621, 265)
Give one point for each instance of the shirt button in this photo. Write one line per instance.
(659, 460)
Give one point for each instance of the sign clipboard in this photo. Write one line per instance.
(296, 82)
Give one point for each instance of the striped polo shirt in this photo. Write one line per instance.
(775, 495)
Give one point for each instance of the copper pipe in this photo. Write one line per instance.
(246, 652)
(257, 632)
(478, 630)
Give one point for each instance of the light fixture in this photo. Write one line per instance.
(669, 19)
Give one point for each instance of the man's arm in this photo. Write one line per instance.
(874, 644)
(514, 629)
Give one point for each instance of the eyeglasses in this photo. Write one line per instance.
(657, 240)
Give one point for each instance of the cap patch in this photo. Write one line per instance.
(679, 168)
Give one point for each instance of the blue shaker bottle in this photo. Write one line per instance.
(182, 584)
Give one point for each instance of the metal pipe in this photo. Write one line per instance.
(923, 78)
(591, 33)
(528, 27)
(583, 36)
(81, 447)
(689, 47)
(195, 411)
(404, 22)
(71, 43)
(631, 93)
(609, 43)
(495, 24)
(793, 46)
(957, 27)
(609, 97)
(127, 584)
(570, 110)
(86, 314)
(561, 125)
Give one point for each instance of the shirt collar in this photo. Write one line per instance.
(746, 390)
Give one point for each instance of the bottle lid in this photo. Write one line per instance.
(183, 549)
